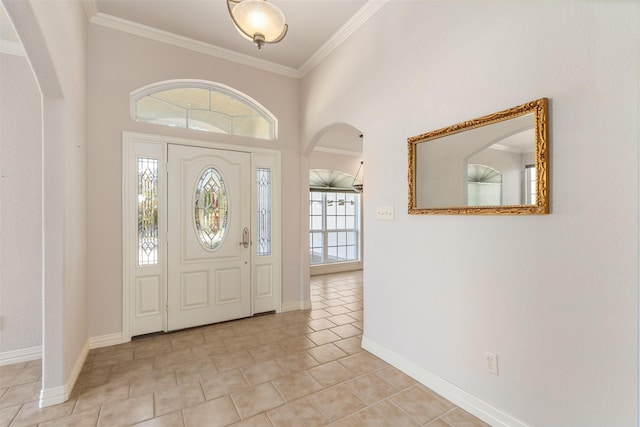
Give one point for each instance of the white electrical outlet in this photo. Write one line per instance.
(384, 212)
(491, 362)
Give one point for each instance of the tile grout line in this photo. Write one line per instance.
(293, 325)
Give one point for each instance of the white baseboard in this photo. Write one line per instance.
(53, 396)
(105, 340)
(337, 267)
(57, 395)
(295, 305)
(35, 353)
(23, 355)
(456, 395)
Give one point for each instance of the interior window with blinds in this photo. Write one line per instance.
(334, 227)
(334, 218)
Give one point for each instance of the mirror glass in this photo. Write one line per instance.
(496, 164)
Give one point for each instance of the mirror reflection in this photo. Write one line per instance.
(494, 164)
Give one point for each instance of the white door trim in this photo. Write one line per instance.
(208, 284)
(260, 158)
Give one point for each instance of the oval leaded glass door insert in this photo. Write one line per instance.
(211, 208)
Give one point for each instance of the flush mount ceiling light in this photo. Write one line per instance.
(258, 21)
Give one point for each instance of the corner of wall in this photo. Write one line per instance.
(295, 305)
(57, 395)
(106, 340)
(444, 388)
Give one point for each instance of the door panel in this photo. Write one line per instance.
(209, 207)
(148, 296)
(264, 284)
(229, 290)
(194, 290)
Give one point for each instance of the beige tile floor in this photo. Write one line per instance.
(303, 368)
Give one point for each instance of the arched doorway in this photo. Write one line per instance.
(335, 208)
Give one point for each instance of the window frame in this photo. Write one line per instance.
(158, 87)
(356, 230)
(530, 184)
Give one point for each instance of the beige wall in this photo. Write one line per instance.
(340, 162)
(58, 59)
(120, 63)
(555, 296)
(21, 206)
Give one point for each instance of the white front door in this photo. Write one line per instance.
(209, 251)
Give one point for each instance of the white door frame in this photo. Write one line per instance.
(266, 275)
(208, 284)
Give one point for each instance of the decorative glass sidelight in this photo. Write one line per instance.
(147, 211)
(264, 211)
(211, 209)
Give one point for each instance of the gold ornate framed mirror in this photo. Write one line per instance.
(495, 164)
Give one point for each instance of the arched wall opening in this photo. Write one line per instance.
(21, 208)
(58, 62)
(336, 147)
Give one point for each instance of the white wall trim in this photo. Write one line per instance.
(105, 340)
(22, 355)
(456, 395)
(129, 140)
(338, 267)
(295, 305)
(57, 395)
(161, 36)
(90, 8)
(350, 27)
(52, 396)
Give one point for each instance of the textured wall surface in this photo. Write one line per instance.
(554, 296)
(20, 206)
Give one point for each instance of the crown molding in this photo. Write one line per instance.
(350, 27)
(119, 24)
(90, 8)
(190, 44)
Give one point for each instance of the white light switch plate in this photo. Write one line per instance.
(384, 212)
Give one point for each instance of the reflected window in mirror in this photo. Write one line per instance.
(484, 186)
(530, 184)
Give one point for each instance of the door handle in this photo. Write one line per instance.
(245, 238)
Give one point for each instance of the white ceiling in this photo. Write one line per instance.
(315, 28)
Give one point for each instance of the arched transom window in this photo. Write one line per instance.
(204, 106)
